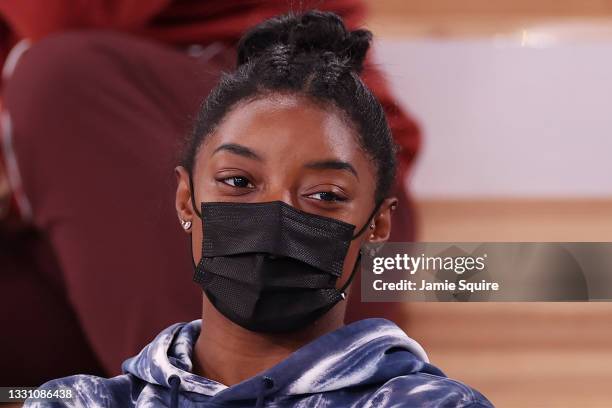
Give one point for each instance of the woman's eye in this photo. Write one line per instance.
(239, 182)
(327, 196)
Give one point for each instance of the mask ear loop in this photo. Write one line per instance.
(192, 193)
(344, 287)
(195, 209)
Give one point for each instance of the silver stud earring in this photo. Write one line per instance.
(393, 207)
(186, 224)
(372, 226)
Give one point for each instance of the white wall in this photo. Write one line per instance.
(504, 120)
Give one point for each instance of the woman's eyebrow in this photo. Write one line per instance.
(334, 165)
(240, 150)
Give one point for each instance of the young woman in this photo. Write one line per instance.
(287, 173)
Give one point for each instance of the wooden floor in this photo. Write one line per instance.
(520, 354)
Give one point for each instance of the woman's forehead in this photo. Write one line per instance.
(287, 125)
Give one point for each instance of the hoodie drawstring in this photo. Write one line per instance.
(266, 384)
(174, 381)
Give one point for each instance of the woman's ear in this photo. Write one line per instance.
(382, 221)
(184, 209)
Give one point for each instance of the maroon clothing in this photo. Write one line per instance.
(174, 22)
(97, 146)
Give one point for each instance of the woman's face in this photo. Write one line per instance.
(288, 149)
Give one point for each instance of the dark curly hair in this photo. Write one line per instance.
(313, 55)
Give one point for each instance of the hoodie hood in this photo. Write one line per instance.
(369, 363)
(366, 352)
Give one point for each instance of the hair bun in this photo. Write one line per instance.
(313, 32)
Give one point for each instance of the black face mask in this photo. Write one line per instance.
(270, 267)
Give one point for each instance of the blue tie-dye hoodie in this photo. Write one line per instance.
(369, 363)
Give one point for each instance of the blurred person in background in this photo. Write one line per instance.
(96, 98)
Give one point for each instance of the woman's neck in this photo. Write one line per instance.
(230, 354)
